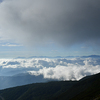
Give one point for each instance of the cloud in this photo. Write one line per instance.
(61, 69)
(10, 45)
(1, 0)
(69, 69)
(65, 22)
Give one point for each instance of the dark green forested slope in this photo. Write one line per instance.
(87, 88)
(37, 91)
(91, 93)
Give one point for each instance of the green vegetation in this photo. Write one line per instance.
(37, 91)
(92, 92)
(87, 88)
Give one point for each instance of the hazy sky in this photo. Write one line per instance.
(49, 27)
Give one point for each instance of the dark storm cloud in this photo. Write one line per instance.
(1, 0)
(64, 22)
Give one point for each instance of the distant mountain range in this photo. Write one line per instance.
(90, 56)
(21, 79)
(51, 57)
(87, 88)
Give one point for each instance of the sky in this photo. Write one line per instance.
(49, 28)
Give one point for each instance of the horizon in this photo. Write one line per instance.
(49, 28)
(43, 41)
(69, 29)
(52, 57)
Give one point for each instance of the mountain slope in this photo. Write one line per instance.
(20, 79)
(91, 93)
(87, 88)
(37, 91)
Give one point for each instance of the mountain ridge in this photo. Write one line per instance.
(56, 90)
(21, 79)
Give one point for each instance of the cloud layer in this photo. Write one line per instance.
(62, 69)
(64, 22)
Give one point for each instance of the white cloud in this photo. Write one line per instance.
(69, 72)
(10, 45)
(62, 69)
